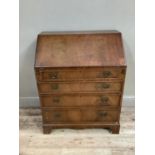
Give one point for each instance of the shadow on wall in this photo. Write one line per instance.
(130, 76)
(27, 83)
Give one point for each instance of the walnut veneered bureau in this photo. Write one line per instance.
(80, 78)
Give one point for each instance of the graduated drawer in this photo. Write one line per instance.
(79, 115)
(70, 87)
(80, 73)
(80, 100)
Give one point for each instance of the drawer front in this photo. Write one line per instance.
(81, 73)
(79, 115)
(79, 87)
(80, 100)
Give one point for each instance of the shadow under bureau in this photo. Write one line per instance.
(80, 79)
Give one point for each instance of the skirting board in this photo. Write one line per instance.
(25, 102)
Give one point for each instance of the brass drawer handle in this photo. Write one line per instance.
(55, 86)
(104, 74)
(53, 75)
(103, 113)
(104, 99)
(103, 85)
(56, 99)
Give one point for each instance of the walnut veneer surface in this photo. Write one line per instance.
(80, 79)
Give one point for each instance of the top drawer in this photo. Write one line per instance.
(79, 73)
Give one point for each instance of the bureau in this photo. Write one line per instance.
(80, 78)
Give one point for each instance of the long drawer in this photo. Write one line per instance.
(79, 73)
(79, 100)
(79, 115)
(69, 87)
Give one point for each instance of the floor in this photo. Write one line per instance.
(75, 142)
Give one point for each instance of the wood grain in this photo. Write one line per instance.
(75, 50)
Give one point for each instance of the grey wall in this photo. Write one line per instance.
(58, 15)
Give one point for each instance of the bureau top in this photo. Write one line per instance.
(85, 49)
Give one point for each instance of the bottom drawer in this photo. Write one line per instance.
(79, 115)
